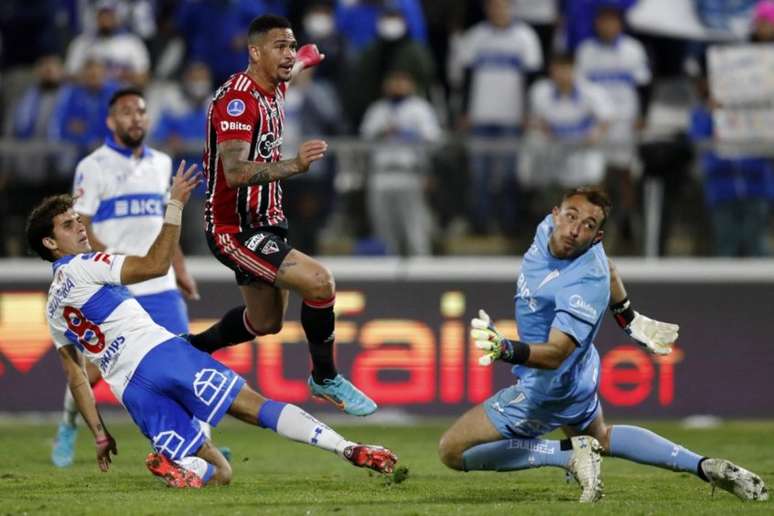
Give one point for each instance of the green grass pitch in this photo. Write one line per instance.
(275, 476)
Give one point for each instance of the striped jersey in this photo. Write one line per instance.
(88, 308)
(570, 117)
(242, 110)
(498, 59)
(619, 68)
(125, 196)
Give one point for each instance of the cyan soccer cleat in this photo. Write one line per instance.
(344, 395)
(64, 445)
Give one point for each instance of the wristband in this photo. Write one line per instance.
(623, 312)
(514, 351)
(103, 440)
(174, 213)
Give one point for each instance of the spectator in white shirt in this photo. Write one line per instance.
(618, 63)
(397, 205)
(124, 53)
(574, 112)
(497, 54)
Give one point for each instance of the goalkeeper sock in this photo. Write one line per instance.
(70, 411)
(295, 424)
(643, 446)
(516, 454)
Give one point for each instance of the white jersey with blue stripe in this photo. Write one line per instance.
(89, 308)
(618, 67)
(569, 295)
(569, 117)
(499, 58)
(125, 198)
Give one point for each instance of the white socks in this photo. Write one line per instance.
(293, 423)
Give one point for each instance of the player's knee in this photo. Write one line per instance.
(322, 286)
(450, 454)
(222, 475)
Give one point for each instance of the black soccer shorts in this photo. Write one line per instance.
(253, 255)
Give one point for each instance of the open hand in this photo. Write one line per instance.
(655, 336)
(184, 182)
(105, 446)
(309, 152)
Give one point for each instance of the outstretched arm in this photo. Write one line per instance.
(544, 355)
(159, 257)
(655, 336)
(78, 382)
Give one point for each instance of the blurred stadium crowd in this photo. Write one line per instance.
(453, 124)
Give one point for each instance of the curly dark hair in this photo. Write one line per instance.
(40, 223)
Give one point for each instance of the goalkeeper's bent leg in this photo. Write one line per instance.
(641, 445)
(517, 454)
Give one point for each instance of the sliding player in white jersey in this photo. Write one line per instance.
(91, 313)
(120, 190)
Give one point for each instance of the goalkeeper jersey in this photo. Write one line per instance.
(572, 296)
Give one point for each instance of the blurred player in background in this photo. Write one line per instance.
(563, 291)
(245, 223)
(166, 385)
(120, 191)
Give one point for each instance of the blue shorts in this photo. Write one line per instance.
(167, 309)
(174, 385)
(515, 415)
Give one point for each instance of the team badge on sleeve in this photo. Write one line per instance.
(236, 107)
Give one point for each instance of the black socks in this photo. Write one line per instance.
(230, 330)
(318, 320)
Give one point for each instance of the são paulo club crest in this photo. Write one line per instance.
(267, 144)
(236, 107)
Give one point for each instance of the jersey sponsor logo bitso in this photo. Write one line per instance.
(236, 107)
(234, 126)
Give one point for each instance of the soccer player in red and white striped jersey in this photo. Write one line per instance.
(245, 224)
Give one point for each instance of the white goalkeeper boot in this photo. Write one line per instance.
(734, 479)
(585, 465)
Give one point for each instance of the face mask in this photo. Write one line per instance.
(318, 25)
(397, 98)
(391, 28)
(198, 89)
(48, 85)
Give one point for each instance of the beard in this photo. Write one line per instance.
(129, 140)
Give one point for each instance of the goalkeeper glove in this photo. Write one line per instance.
(495, 346)
(654, 336)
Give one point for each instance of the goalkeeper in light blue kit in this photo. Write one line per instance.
(564, 289)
